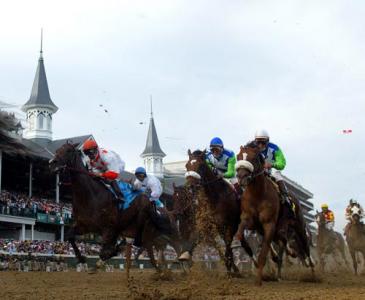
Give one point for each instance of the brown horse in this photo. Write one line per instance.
(184, 209)
(260, 211)
(217, 209)
(329, 242)
(355, 235)
(95, 210)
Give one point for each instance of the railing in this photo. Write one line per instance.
(30, 213)
(15, 211)
(52, 219)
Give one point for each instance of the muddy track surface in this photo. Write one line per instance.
(197, 285)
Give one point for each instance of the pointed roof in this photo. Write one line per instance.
(39, 96)
(152, 145)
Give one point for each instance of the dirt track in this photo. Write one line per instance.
(198, 285)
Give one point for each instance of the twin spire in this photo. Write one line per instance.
(40, 96)
(152, 144)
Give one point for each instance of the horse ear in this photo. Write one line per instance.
(189, 152)
(241, 148)
(204, 153)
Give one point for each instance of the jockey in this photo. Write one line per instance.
(222, 161)
(328, 216)
(148, 184)
(104, 164)
(274, 159)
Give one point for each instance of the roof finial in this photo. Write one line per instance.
(41, 52)
(151, 106)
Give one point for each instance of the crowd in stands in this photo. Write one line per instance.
(47, 247)
(12, 203)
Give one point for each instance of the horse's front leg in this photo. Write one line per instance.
(269, 229)
(109, 245)
(229, 260)
(71, 237)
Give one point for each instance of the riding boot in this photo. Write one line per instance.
(285, 198)
(117, 191)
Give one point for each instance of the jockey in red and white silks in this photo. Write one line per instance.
(105, 164)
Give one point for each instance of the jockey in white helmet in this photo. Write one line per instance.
(274, 159)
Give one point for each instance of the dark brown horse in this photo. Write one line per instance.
(95, 210)
(184, 212)
(260, 211)
(355, 235)
(329, 242)
(217, 212)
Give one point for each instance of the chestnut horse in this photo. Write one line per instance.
(260, 211)
(217, 206)
(355, 235)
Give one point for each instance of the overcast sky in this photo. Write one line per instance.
(214, 68)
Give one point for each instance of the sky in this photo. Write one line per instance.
(213, 68)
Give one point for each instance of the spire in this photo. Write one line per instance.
(151, 106)
(41, 52)
(152, 144)
(39, 96)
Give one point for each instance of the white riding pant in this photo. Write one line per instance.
(277, 175)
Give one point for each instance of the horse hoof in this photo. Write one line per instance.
(185, 256)
(99, 264)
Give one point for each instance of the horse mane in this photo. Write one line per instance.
(198, 153)
(252, 144)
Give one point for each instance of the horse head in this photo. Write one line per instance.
(320, 220)
(355, 213)
(66, 157)
(196, 168)
(250, 163)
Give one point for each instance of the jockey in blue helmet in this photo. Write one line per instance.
(222, 161)
(148, 184)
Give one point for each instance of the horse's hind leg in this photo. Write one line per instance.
(278, 257)
(249, 251)
(151, 255)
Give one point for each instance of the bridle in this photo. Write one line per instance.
(66, 167)
(250, 177)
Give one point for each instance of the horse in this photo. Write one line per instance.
(260, 211)
(184, 208)
(95, 209)
(217, 208)
(329, 242)
(355, 235)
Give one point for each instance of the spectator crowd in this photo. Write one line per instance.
(12, 203)
(47, 247)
